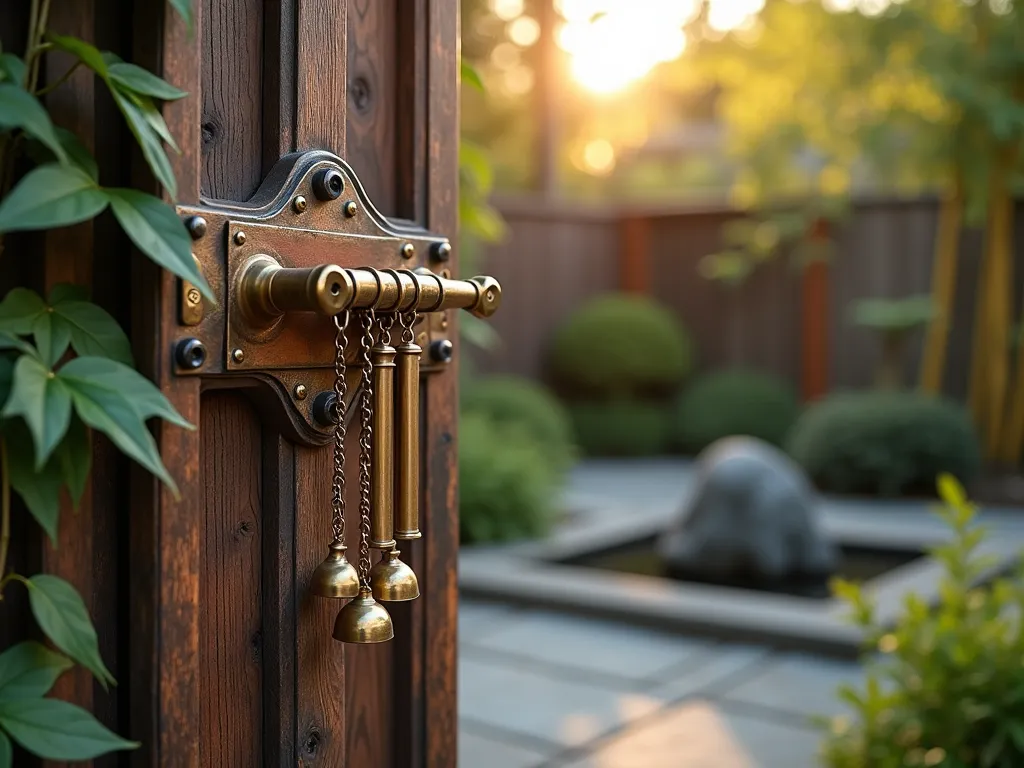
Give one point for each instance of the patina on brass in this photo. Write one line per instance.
(383, 498)
(364, 620)
(267, 290)
(407, 437)
(392, 581)
(335, 577)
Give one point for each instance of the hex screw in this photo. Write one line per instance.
(190, 354)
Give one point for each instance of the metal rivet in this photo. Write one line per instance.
(442, 251)
(238, 356)
(196, 226)
(351, 208)
(441, 351)
(299, 204)
(239, 237)
(324, 412)
(300, 391)
(190, 353)
(408, 251)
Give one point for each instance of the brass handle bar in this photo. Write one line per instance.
(266, 290)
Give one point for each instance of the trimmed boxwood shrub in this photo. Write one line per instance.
(621, 428)
(884, 442)
(513, 401)
(507, 486)
(620, 346)
(734, 402)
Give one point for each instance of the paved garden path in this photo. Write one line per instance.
(542, 689)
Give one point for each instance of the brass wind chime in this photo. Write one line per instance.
(388, 510)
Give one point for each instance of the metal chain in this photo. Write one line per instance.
(407, 320)
(340, 390)
(365, 437)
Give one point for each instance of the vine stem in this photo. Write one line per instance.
(5, 512)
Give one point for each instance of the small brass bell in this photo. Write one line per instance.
(393, 581)
(335, 576)
(364, 620)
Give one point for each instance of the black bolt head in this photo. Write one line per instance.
(442, 351)
(190, 354)
(328, 184)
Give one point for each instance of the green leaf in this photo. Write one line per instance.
(19, 311)
(148, 139)
(74, 457)
(184, 8)
(43, 400)
(13, 68)
(89, 54)
(152, 115)
(6, 378)
(51, 196)
(28, 670)
(62, 615)
(78, 153)
(147, 399)
(56, 730)
(139, 80)
(6, 751)
(62, 292)
(20, 109)
(471, 76)
(117, 405)
(92, 330)
(156, 229)
(39, 489)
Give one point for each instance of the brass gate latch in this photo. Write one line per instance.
(310, 245)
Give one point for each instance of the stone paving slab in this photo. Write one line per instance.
(798, 684)
(714, 672)
(534, 704)
(590, 646)
(701, 734)
(477, 751)
(477, 619)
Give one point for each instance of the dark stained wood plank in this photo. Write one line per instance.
(441, 525)
(321, 65)
(279, 86)
(371, 115)
(279, 670)
(634, 254)
(411, 103)
(165, 557)
(323, 664)
(230, 589)
(232, 89)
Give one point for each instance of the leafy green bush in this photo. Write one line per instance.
(506, 484)
(618, 346)
(621, 428)
(734, 403)
(884, 442)
(948, 688)
(510, 400)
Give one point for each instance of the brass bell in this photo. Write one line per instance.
(393, 581)
(364, 620)
(335, 576)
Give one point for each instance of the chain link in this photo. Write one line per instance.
(407, 320)
(340, 390)
(365, 436)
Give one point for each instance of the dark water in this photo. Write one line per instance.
(858, 564)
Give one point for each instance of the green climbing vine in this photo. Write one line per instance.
(66, 365)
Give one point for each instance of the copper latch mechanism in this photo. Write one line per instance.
(309, 245)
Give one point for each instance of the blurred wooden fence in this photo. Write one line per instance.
(557, 255)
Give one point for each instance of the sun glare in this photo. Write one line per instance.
(613, 44)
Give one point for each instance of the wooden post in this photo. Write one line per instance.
(634, 254)
(814, 323)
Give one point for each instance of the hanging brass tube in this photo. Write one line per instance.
(407, 525)
(382, 493)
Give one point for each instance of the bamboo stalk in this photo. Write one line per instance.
(944, 263)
